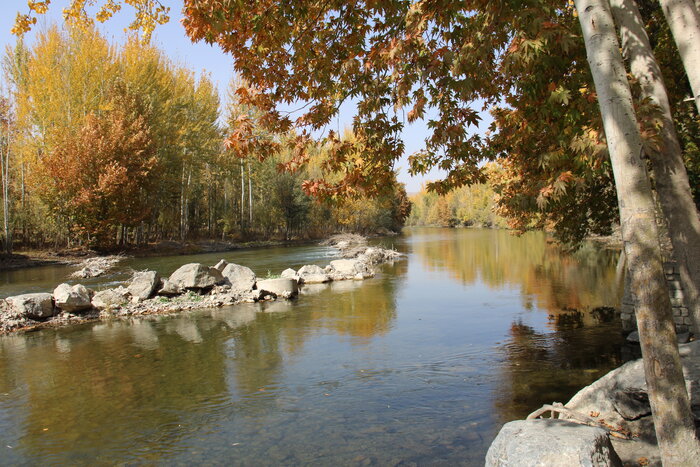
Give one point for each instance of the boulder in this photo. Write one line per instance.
(221, 265)
(282, 287)
(290, 273)
(168, 289)
(32, 305)
(311, 274)
(71, 299)
(110, 298)
(553, 443)
(196, 276)
(240, 277)
(144, 284)
(620, 398)
(375, 255)
(350, 269)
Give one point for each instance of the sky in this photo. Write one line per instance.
(201, 57)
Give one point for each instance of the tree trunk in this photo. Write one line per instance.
(242, 195)
(673, 420)
(6, 191)
(669, 171)
(684, 20)
(250, 197)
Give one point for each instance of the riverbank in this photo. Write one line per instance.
(73, 256)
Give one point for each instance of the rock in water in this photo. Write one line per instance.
(282, 287)
(289, 273)
(195, 276)
(32, 305)
(144, 284)
(76, 298)
(350, 269)
(311, 274)
(110, 298)
(241, 278)
(551, 443)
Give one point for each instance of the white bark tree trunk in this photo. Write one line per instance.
(670, 175)
(673, 420)
(683, 18)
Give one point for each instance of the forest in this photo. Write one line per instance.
(108, 146)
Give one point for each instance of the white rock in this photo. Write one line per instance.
(195, 276)
(110, 298)
(551, 443)
(71, 299)
(32, 305)
(240, 277)
(144, 284)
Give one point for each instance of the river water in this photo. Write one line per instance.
(420, 365)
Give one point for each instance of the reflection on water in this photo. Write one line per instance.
(418, 366)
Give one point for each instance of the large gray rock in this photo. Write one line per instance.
(282, 287)
(551, 443)
(76, 298)
(32, 305)
(312, 274)
(240, 277)
(110, 298)
(620, 398)
(144, 284)
(350, 269)
(195, 276)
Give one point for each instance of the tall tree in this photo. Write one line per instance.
(684, 19)
(670, 176)
(673, 419)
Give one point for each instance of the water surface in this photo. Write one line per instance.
(420, 365)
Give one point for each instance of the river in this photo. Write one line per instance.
(420, 365)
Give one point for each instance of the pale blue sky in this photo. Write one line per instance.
(198, 57)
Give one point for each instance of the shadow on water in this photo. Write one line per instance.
(420, 365)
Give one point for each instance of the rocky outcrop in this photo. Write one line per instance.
(620, 400)
(144, 284)
(312, 274)
(281, 287)
(94, 267)
(32, 305)
(240, 278)
(192, 286)
(72, 299)
(111, 298)
(196, 276)
(551, 443)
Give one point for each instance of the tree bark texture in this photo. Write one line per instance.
(684, 20)
(670, 175)
(673, 420)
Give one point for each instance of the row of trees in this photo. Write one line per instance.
(107, 146)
